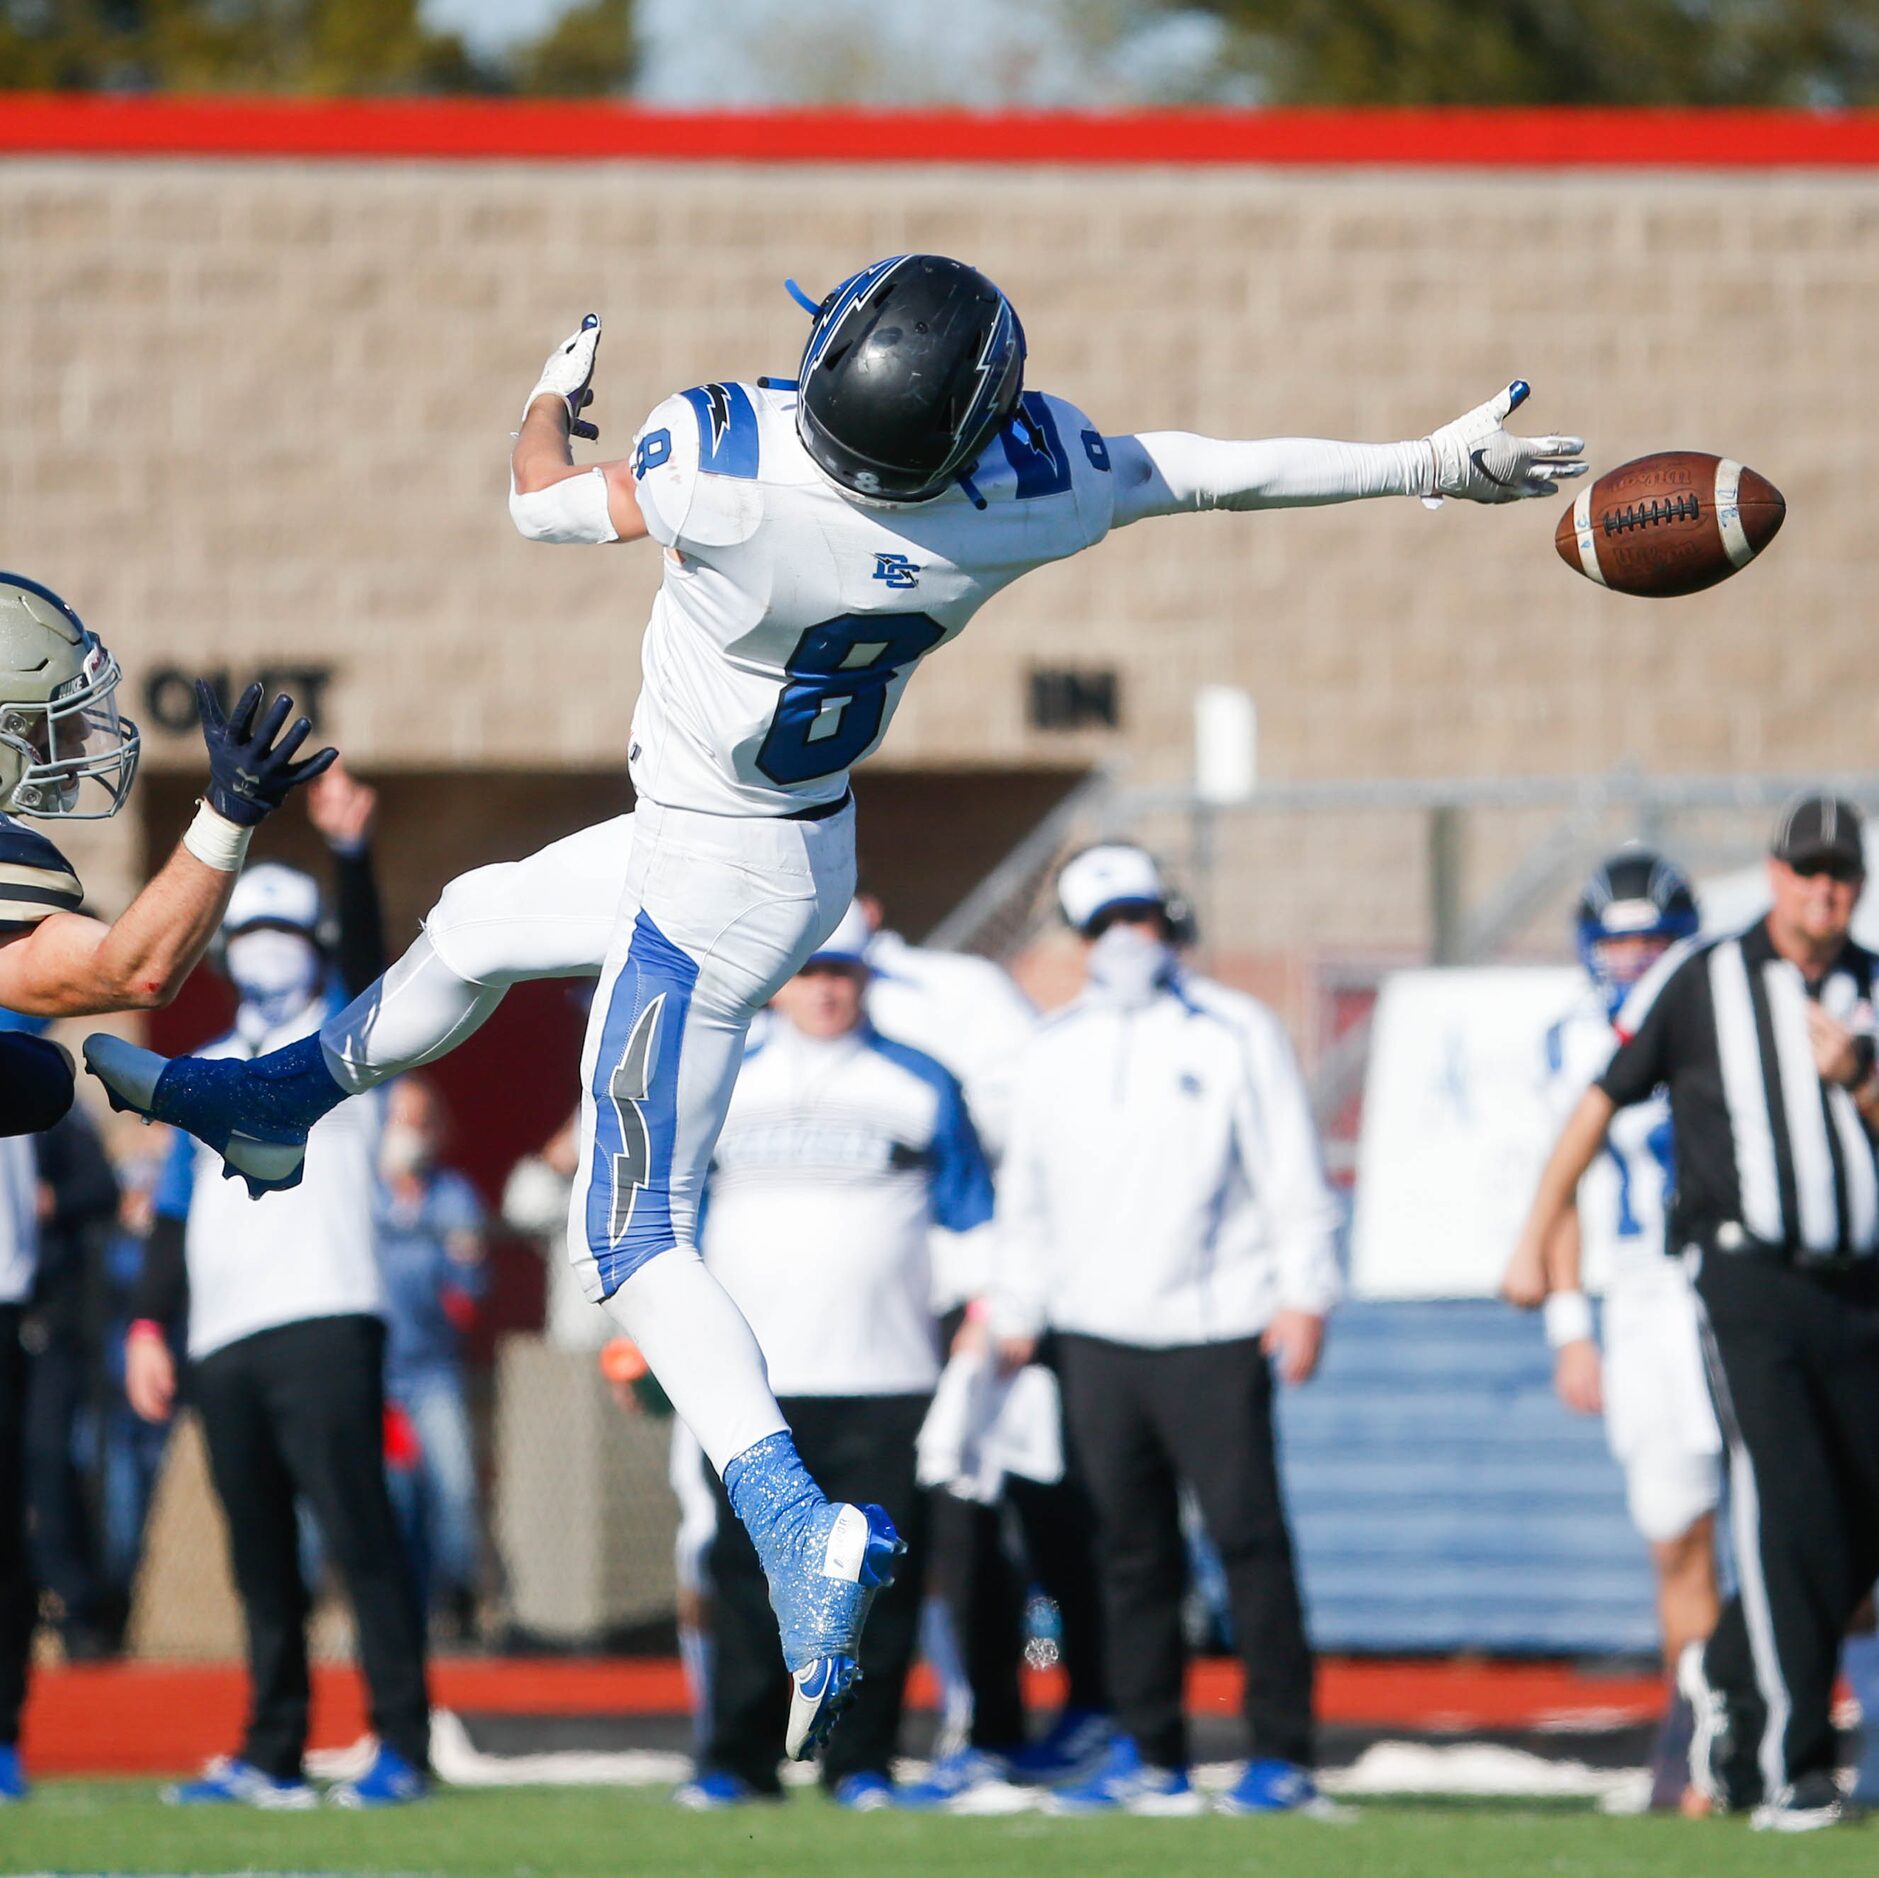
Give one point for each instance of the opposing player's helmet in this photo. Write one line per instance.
(912, 366)
(59, 723)
(1633, 896)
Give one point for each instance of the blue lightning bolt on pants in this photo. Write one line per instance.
(717, 912)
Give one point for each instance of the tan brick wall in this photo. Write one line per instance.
(261, 410)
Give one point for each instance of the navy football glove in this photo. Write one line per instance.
(250, 773)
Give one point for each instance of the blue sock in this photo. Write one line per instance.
(771, 1491)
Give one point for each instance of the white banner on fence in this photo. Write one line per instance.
(1457, 1122)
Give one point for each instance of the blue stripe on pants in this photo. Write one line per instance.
(629, 1194)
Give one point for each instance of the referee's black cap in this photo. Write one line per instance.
(1820, 827)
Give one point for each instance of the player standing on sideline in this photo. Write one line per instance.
(821, 536)
(65, 753)
(1658, 1417)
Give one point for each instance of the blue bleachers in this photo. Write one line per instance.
(1442, 1499)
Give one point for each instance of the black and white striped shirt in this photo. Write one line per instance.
(1766, 1152)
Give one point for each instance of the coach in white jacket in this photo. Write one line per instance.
(1163, 1208)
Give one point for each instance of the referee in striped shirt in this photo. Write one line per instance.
(1765, 1041)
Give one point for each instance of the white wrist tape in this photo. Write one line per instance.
(216, 841)
(572, 511)
(1568, 1319)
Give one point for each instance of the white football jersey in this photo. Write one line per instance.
(785, 632)
(1624, 1197)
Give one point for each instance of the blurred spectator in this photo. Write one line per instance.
(535, 1204)
(841, 1151)
(66, 1328)
(129, 1450)
(1163, 1207)
(286, 1341)
(431, 1250)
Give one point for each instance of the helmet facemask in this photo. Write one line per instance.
(76, 755)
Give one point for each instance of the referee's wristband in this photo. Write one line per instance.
(1568, 1316)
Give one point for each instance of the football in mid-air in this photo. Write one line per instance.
(1672, 523)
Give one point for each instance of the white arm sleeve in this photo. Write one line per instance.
(574, 510)
(1166, 472)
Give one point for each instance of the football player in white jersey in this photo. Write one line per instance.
(821, 535)
(1649, 1385)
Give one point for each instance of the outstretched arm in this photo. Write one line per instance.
(69, 965)
(1475, 458)
(551, 497)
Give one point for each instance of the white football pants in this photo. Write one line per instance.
(1659, 1421)
(692, 922)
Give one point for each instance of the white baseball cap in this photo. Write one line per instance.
(848, 943)
(1115, 874)
(274, 895)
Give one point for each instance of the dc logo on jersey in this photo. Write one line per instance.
(897, 570)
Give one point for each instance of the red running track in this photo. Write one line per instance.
(163, 1718)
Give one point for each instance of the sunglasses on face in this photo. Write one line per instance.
(1836, 869)
(1125, 913)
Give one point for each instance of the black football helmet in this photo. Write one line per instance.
(912, 367)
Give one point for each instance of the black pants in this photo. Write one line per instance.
(986, 1589)
(859, 1448)
(1794, 1365)
(1143, 1421)
(64, 1543)
(16, 1584)
(300, 1411)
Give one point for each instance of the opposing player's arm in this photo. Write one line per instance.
(66, 964)
(551, 497)
(1475, 458)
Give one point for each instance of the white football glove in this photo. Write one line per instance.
(1475, 459)
(568, 375)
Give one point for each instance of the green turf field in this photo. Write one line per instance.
(115, 1826)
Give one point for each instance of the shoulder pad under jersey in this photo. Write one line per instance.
(35, 878)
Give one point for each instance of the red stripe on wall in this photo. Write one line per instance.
(478, 129)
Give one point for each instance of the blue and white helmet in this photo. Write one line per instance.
(1633, 894)
(912, 366)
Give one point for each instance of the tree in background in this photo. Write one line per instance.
(589, 51)
(1618, 52)
(307, 47)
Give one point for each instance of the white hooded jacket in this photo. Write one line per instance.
(1163, 1183)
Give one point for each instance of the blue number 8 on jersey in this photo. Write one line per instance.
(832, 710)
